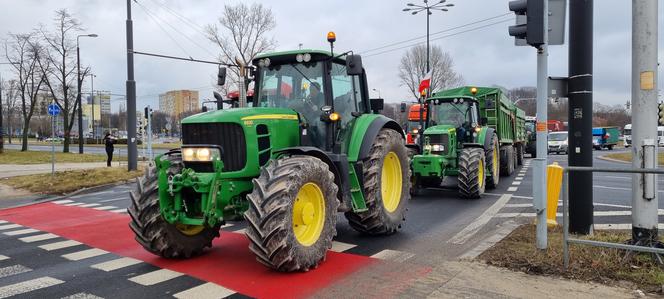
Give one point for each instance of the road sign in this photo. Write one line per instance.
(53, 109)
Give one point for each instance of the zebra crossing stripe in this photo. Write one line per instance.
(3, 221)
(116, 264)
(89, 205)
(104, 208)
(393, 255)
(59, 245)
(205, 291)
(28, 286)
(155, 277)
(120, 211)
(341, 246)
(38, 238)
(512, 189)
(9, 226)
(82, 296)
(74, 204)
(84, 254)
(3, 257)
(21, 232)
(13, 270)
(62, 201)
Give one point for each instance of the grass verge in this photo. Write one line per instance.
(69, 181)
(627, 157)
(39, 157)
(517, 252)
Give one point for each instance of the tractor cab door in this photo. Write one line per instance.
(347, 99)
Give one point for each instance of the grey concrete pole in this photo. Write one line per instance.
(644, 119)
(78, 98)
(132, 151)
(539, 170)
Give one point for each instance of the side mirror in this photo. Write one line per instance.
(221, 76)
(483, 121)
(403, 107)
(354, 65)
(377, 104)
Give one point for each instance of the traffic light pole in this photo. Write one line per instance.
(644, 121)
(539, 174)
(580, 94)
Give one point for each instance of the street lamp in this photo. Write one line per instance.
(78, 96)
(415, 8)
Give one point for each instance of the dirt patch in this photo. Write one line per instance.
(7, 192)
(69, 181)
(517, 252)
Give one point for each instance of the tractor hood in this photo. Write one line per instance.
(440, 129)
(238, 115)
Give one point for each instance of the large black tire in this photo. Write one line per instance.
(519, 154)
(492, 167)
(472, 174)
(507, 165)
(270, 216)
(151, 229)
(377, 220)
(610, 147)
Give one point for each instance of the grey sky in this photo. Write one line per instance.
(484, 57)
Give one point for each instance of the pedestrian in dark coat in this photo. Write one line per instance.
(109, 140)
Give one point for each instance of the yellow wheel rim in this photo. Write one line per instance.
(480, 179)
(189, 230)
(495, 162)
(390, 186)
(308, 214)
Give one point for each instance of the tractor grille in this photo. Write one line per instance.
(442, 139)
(229, 136)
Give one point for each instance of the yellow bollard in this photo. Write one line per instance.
(554, 180)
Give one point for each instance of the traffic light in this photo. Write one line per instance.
(146, 111)
(660, 118)
(530, 28)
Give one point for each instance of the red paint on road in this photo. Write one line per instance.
(229, 263)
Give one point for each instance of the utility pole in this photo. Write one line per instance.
(2, 130)
(580, 94)
(644, 121)
(539, 170)
(132, 151)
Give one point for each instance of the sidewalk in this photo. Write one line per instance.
(10, 170)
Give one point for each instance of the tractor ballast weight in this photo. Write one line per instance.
(473, 133)
(310, 145)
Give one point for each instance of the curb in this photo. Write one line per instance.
(605, 158)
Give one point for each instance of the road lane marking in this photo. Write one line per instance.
(341, 246)
(92, 194)
(504, 230)
(62, 201)
(513, 196)
(516, 183)
(3, 221)
(119, 211)
(113, 199)
(82, 296)
(518, 205)
(393, 255)
(155, 277)
(205, 291)
(84, 254)
(13, 270)
(512, 189)
(36, 238)
(470, 230)
(116, 264)
(59, 245)
(21, 232)
(596, 214)
(104, 208)
(3, 257)
(89, 205)
(74, 204)
(9, 226)
(28, 286)
(519, 178)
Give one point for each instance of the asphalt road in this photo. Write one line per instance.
(439, 227)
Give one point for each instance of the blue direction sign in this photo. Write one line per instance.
(53, 109)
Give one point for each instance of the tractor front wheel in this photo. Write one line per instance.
(153, 232)
(492, 159)
(386, 186)
(472, 175)
(292, 215)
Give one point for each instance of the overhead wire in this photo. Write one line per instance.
(162, 27)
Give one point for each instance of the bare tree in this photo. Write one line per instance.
(61, 68)
(24, 52)
(10, 103)
(413, 68)
(242, 32)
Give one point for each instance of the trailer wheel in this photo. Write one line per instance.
(507, 165)
(292, 213)
(472, 175)
(610, 147)
(386, 186)
(153, 232)
(492, 159)
(519, 154)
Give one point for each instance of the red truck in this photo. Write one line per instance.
(555, 125)
(413, 128)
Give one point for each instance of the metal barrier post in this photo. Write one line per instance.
(565, 220)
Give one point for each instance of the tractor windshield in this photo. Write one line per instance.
(450, 113)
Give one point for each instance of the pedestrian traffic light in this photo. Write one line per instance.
(660, 117)
(146, 111)
(530, 28)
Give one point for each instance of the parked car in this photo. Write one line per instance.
(558, 142)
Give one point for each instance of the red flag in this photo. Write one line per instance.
(426, 82)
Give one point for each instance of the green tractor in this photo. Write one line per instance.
(310, 145)
(473, 133)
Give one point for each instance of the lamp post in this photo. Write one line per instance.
(415, 8)
(378, 91)
(78, 95)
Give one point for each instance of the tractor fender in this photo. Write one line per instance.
(372, 131)
(487, 137)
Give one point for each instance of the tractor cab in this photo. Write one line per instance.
(460, 114)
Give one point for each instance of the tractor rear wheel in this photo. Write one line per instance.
(492, 159)
(472, 175)
(153, 232)
(292, 213)
(386, 186)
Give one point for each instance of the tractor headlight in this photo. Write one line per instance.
(437, 148)
(200, 154)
